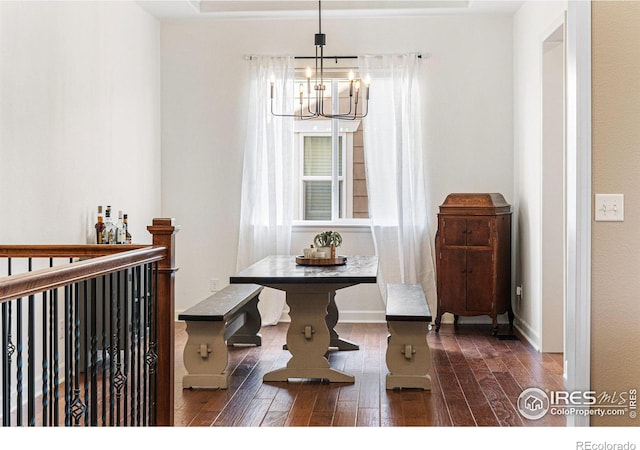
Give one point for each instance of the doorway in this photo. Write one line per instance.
(553, 192)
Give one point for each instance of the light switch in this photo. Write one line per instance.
(609, 207)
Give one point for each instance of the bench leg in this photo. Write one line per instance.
(408, 355)
(205, 355)
(248, 333)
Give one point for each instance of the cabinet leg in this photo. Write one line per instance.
(455, 320)
(494, 325)
(438, 317)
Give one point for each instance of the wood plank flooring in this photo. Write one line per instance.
(476, 380)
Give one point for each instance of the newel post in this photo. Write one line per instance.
(163, 231)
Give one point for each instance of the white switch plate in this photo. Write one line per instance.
(609, 207)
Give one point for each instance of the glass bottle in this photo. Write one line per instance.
(99, 226)
(120, 230)
(109, 234)
(127, 238)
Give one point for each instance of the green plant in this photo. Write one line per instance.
(326, 238)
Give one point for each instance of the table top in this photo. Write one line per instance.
(282, 269)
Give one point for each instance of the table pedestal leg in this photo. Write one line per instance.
(335, 341)
(308, 338)
(332, 319)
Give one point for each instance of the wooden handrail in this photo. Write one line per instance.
(29, 283)
(64, 251)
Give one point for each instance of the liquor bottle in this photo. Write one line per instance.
(120, 230)
(127, 238)
(99, 226)
(109, 234)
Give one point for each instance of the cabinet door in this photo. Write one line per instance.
(478, 231)
(480, 280)
(452, 280)
(454, 231)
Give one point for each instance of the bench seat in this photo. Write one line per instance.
(408, 355)
(229, 316)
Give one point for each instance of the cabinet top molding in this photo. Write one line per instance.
(475, 204)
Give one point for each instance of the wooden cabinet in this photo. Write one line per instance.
(473, 257)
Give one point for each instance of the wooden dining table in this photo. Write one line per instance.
(309, 291)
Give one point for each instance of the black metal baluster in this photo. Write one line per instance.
(92, 310)
(86, 351)
(105, 358)
(68, 319)
(133, 343)
(8, 350)
(145, 345)
(49, 352)
(6, 391)
(19, 362)
(78, 408)
(113, 348)
(46, 327)
(31, 363)
(120, 376)
(56, 360)
(135, 346)
(125, 346)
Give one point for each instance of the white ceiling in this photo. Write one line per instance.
(202, 9)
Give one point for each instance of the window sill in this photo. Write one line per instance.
(351, 224)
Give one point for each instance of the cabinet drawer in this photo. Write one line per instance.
(479, 231)
(463, 231)
(454, 231)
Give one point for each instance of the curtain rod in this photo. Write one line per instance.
(250, 57)
(337, 57)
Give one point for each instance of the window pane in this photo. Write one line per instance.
(340, 199)
(317, 200)
(340, 156)
(317, 156)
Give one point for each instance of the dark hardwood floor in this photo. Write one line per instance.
(476, 380)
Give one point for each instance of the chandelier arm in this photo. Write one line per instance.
(299, 116)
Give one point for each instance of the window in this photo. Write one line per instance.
(317, 177)
(331, 176)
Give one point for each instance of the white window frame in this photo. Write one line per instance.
(335, 178)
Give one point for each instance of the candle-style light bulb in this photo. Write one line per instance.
(273, 81)
(309, 73)
(351, 77)
(367, 82)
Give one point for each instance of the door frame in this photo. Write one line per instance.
(578, 209)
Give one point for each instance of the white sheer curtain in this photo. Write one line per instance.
(398, 203)
(267, 176)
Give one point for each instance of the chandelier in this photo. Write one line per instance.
(317, 94)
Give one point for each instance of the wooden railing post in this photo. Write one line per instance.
(163, 231)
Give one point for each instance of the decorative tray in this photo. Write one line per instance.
(337, 261)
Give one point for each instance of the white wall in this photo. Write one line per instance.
(468, 125)
(79, 118)
(533, 22)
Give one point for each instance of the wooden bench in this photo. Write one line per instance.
(230, 316)
(408, 354)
